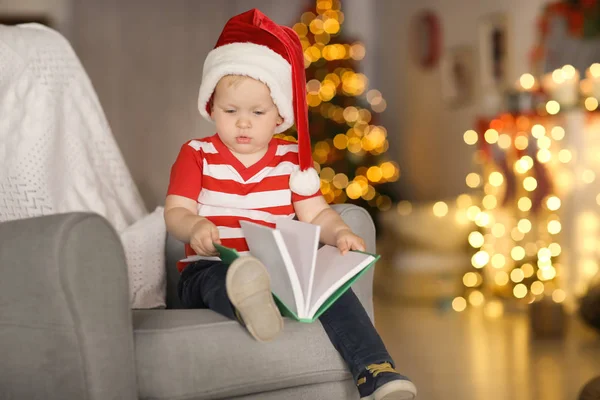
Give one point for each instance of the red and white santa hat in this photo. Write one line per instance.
(253, 45)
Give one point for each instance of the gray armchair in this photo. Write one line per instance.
(66, 330)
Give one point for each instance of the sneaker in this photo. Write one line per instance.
(249, 289)
(382, 382)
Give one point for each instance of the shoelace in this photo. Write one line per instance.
(377, 369)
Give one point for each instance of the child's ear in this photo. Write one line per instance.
(279, 120)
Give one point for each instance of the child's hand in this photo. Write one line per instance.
(346, 240)
(204, 234)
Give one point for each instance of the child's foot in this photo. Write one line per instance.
(382, 382)
(249, 289)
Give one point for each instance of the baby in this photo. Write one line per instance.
(254, 86)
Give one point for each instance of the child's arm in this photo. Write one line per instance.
(185, 224)
(334, 231)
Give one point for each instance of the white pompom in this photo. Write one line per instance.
(305, 183)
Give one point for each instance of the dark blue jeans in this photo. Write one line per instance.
(202, 285)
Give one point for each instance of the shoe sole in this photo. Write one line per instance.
(394, 390)
(248, 286)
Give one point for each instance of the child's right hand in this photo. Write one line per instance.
(204, 234)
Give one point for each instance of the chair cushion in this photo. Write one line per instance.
(199, 354)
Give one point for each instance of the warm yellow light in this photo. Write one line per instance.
(523, 164)
(588, 176)
(554, 227)
(537, 288)
(489, 202)
(404, 208)
(440, 209)
(528, 270)
(537, 131)
(559, 296)
(331, 26)
(473, 180)
(517, 253)
(496, 179)
(504, 141)
(483, 219)
(529, 183)
(558, 133)
(524, 204)
(374, 174)
(501, 278)
(555, 249)
(358, 51)
(354, 190)
(516, 275)
(473, 212)
(553, 203)
(476, 298)
(591, 103)
(480, 259)
(476, 239)
(524, 225)
(340, 181)
(470, 137)
(544, 142)
(527, 81)
(568, 71)
(589, 267)
(491, 136)
(498, 230)
(544, 254)
(493, 309)
(558, 76)
(521, 142)
(459, 304)
(546, 274)
(520, 291)
(544, 155)
(564, 156)
(595, 70)
(516, 234)
(464, 201)
(471, 279)
(390, 170)
(552, 107)
(498, 261)
(340, 141)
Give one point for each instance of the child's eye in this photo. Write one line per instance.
(229, 111)
(259, 112)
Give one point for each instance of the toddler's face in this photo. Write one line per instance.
(244, 113)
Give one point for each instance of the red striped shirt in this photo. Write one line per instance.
(227, 192)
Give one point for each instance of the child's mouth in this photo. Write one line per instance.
(243, 139)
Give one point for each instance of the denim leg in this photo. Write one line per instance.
(353, 335)
(202, 285)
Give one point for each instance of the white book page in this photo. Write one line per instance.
(268, 246)
(332, 271)
(302, 242)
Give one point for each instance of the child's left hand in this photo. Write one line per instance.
(346, 240)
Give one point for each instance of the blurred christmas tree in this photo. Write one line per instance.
(349, 147)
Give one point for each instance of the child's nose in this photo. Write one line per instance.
(243, 123)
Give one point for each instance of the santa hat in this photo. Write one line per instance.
(253, 45)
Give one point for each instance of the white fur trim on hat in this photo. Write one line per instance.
(255, 61)
(306, 182)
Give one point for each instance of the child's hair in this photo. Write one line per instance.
(232, 80)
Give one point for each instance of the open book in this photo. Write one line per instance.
(305, 279)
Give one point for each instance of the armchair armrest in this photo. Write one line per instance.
(65, 321)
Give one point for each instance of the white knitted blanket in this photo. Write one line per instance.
(57, 152)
